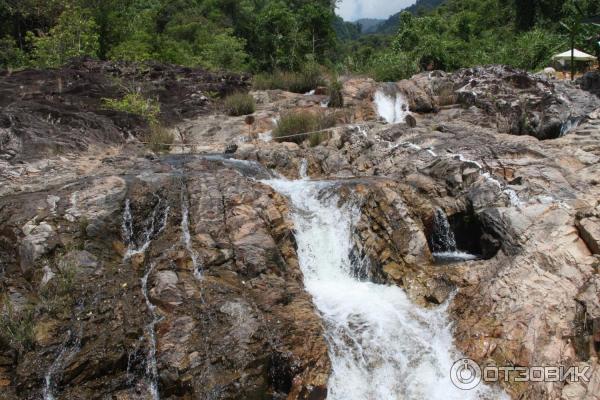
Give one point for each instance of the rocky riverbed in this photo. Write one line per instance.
(131, 275)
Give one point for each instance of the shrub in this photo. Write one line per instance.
(239, 104)
(336, 99)
(303, 122)
(160, 139)
(58, 294)
(135, 103)
(16, 329)
(298, 82)
(389, 67)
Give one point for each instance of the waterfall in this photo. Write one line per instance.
(68, 349)
(153, 226)
(151, 368)
(158, 218)
(392, 108)
(443, 240)
(380, 344)
(185, 232)
(569, 125)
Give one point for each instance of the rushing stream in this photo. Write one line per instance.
(381, 345)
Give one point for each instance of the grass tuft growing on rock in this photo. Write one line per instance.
(298, 82)
(16, 328)
(336, 99)
(160, 139)
(295, 127)
(239, 104)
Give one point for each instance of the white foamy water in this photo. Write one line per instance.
(393, 109)
(382, 346)
(185, 233)
(160, 213)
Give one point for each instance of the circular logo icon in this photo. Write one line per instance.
(465, 374)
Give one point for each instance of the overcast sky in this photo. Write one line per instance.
(352, 10)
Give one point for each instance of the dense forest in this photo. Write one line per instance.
(276, 35)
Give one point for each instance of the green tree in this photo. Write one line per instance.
(76, 34)
(225, 51)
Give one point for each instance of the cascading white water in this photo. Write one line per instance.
(159, 214)
(185, 233)
(393, 109)
(382, 346)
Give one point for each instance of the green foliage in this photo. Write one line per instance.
(239, 104)
(532, 50)
(336, 99)
(297, 123)
(135, 103)
(75, 35)
(389, 67)
(16, 328)
(225, 51)
(232, 35)
(11, 56)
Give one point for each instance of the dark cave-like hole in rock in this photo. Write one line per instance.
(459, 237)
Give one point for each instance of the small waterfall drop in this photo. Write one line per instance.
(392, 108)
(303, 170)
(154, 225)
(185, 233)
(443, 240)
(67, 352)
(380, 344)
(569, 125)
(151, 368)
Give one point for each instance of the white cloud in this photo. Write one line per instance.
(352, 10)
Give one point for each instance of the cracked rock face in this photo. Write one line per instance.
(243, 326)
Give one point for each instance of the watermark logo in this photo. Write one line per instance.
(466, 374)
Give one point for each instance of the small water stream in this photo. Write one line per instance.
(382, 346)
(154, 225)
(185, 232)
(67, 352)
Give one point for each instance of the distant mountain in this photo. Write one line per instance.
(421, 6)
(369, 25)
(346, 30)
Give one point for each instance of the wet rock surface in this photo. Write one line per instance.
(132, 273)
(232, 318)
